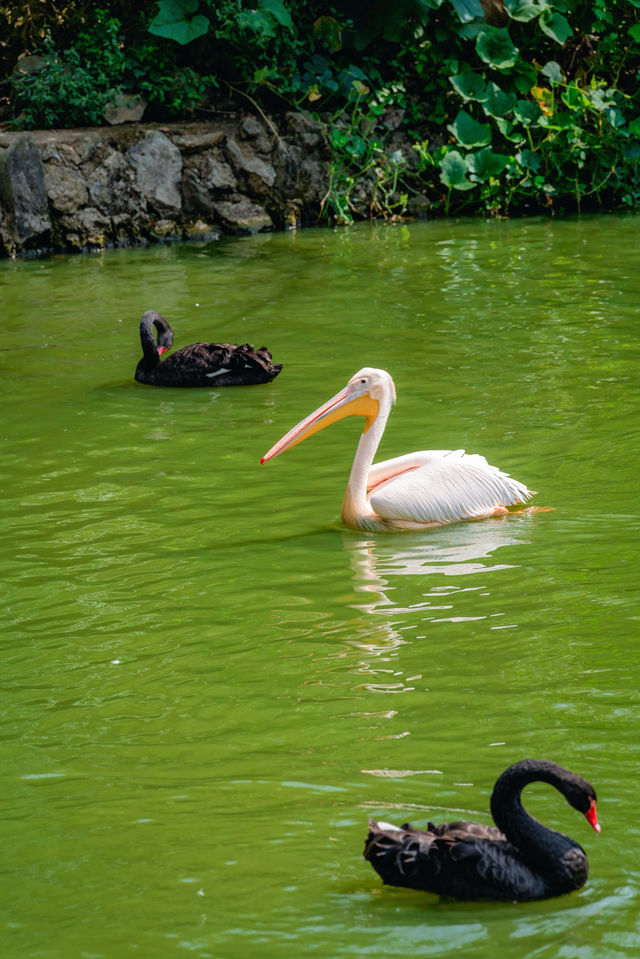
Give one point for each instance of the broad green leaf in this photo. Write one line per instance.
(259, 76)
(468, 132)
(601, 99)
(525, 10)
(561, 120)
(497, 102)
(555, 26)
(575, 98)
(278, 10)
(173, 21)
(524, 76)
(260, 21)
(509, 131)
(467, 9)
(634, 128)
(486, 163)
(552, 70)
(616, 119)
(494, 46)
(634, 32)
(453, 171)
(529, 160)
(470, 86)
(469, 31)
(527, 112)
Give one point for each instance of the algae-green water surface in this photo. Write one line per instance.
(209, 684)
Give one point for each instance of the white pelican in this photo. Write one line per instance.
(426, 488)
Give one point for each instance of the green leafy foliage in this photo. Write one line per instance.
(468, 132)
(467, 10)
(519, 105)
(555, 25)
(495, 47)
(453, 171)
(178, 20)
(470, 86)
(554, 138)
(72, 87)
(525, 10)
(497, 103)
(487, 164)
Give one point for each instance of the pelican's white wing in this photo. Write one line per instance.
(441, 486)
(385, 469)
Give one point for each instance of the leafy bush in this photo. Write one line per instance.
(526, 133)
(72, 88)
(172, 91)
(529, 104)
(511, 104)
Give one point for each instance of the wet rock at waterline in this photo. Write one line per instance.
(23, 194)
(74, 190)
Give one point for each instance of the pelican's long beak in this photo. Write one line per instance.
(353, 400)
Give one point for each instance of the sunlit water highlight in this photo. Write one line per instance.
(209, 683)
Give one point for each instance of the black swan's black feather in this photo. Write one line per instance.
(517, 859)
(200, 364)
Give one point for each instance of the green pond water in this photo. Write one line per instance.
(209, 684)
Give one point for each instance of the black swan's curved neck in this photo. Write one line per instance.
(542, 847)
(150, 348)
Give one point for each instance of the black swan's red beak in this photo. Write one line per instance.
(592, 817)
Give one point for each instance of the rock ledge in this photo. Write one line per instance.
(80, 190)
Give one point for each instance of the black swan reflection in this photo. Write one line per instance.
(200, 364)
(520, 859)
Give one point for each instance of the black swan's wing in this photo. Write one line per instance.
(401, 857)
(463, 860)
(217, 364)
(490, 869)
(463, 830)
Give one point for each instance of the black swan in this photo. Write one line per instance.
(521, 859)
(201, 364)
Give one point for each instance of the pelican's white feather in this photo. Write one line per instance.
(447, 487)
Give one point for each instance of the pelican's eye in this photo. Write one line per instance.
(363, 380)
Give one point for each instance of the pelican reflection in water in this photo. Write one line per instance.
(463, 552)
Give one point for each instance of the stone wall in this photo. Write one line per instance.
(66, 190)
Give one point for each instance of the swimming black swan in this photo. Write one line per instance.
(201, 364)
(521, 859)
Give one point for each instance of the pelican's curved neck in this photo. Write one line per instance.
(356, 511)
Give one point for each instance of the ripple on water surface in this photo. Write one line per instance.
(210, 684)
